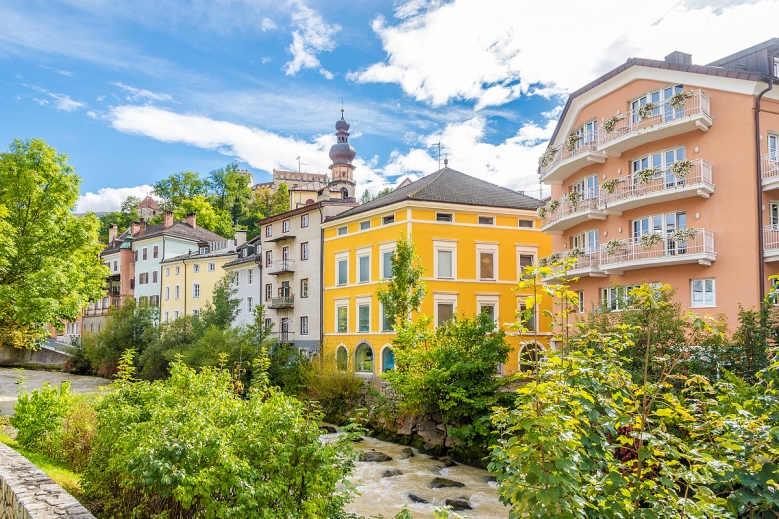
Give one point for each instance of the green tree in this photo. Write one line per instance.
(215, 220)
(366, 197)
(123, 218)
(50, 267)
(179, 187)
(281, 199)
(230, 191)
(405, 291)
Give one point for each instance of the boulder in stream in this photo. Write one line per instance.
(489, 479)
(392, 473)
(374, 456)
(459, 503)
(416, 499)
(447, 461)
(406, 453)
(445, 483)
(327, 428)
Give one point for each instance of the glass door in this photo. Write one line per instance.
(285, 330)
(592, 242)
(773, 140)
(672, 156)
(591, 189)
(674, 221)
(284, 289)
(774, 215)
(669, 112)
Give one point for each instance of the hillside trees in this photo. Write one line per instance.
(49, 263)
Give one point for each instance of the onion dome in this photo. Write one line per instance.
(342, 152)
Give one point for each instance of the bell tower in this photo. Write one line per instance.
(342, 154)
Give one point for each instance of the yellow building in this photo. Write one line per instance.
(188, 280)
(473, 238)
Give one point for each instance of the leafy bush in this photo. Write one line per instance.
(190, 446)
(75, 437)
(337, 392)
(39, 416)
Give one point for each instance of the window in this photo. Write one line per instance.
(176, 292)
(444, 313)
(387, 359)
(154, 276)
(586, 241)
(178, 270)
(386, 322)
(444, 217)
(525, 261)
(250, 304)
(342, 230)
(657, 97)
(237, 278)
(195, 290)
(145, 253)
(167, 293)
(365, 225)
(364, 267)
(580, 299)
(486, 220)
(203, 250)
(388, 219)
(525, 223)
(364, 318)
(617, 298)
(529, 323)
(488, 309)
(156, 251)
(143, 278)
(444, 264)
(587, 187)
(211, 267)
(776, 67)
(304, 288)
(343, 271)
(341, 358)
(661, 161)
(386, 264)
(268, 231)
(486, 265)
(285, 226)
(304, 220)
(268, 258)
(304, 325)
(363, 358)
(342, 318)
(774, 215)
(528, 357)
(703, 294)
(196, 268)
(268, 324)
(167, 317)
(250, 277)
(167, 272)
(175, 314)
(663, 224)
(268, 292)
(773, 149)
(304, 251)
(116, 265)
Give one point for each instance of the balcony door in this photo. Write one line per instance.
(668, 110)
(664, 225)
(586, 241)
(285, 254)
(774, 215)
(773, 147)
(587, 187)
(657, 97)
(672, 156)
(284, 330)
(284, 289)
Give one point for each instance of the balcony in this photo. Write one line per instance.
(769, 171)
(566, 215)
(281, 266)
(587, 264)
(630, 255)
(565, 162)
(665, 121)
(283, 337)
(771, 243)
(278, 303)
(631, 193)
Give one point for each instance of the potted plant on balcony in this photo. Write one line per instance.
(677, 101)
(554, 257)
(645, 111)
(575, 252)
(610, 124)
(552, 205)
(680, 168)
(648, 241)
(645, 176)
(547, 157)
(612, 247)
(611, 185)
(571, 140)
(541, 212)
(574, 197)
(684, 235)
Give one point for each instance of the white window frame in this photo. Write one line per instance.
(363, 253)
(167, 292)
(268, 292)
(176, 292)
(285, 226)
(704, 293)
(587, 187)
(341, 256)
(443, 298)
(167, 316)
(365, 225)
(384, 248)
(588, 241)
(250, 304)
(445, 246)
(381, 321)
(343, 230)
(304, 251)
(167, 272)
(195, 290)
(304, 291)
(444, 216)
(178, 270)
(304, 325)
(486, 217)
(212, 267)
(580, 296)
(196, 311)
(525, 250)
(175, 314)
(268, 231)
(341, 303)
(483, 300)
(485, 248)
(249, 276)
(387, 220)
(196, 268)
(359, 302)
(304, 221)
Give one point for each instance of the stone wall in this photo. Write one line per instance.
(10, 356)
(28, 493)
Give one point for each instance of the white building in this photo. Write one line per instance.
(247, 277)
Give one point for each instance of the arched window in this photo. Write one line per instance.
(341, 358)
(528, 357)
(387, 359)
(344, 192)
(363, 358)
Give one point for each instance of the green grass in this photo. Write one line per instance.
(56, 470)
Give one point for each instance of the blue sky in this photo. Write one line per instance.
(135, 91)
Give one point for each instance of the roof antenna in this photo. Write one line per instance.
(300, 163)
(446, 161)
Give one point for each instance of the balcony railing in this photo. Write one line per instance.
(284, 337)
(282, 302)
(565, 161)
(566, 214)
(664, 121)
(770, 170)
(632, 193)
(280, 266)
(630, 254)
(771, 242)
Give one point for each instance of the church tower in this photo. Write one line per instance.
(342, 154)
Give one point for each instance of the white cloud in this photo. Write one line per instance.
(312, 36)
(109, 199)
(137, 94)
(267, 24)
(266, 59)
(493, 51)
(65, 103)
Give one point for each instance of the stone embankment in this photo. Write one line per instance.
(28, 493)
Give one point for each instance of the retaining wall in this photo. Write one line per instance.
(10, 356)
(28, 493)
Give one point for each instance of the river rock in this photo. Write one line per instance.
(328, 428)
(459, 503)
(445, 483)
(407, 425)
(392, 473)
(447, 461)
(489, 479)
(416, 499)
(406, 453)
(374, 456)
(432, 435)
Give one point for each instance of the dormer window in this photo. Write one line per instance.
(203, 250)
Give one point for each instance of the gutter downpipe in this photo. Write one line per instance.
(321, 286)
(761, 262)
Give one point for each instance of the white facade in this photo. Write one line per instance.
(149, 253)
(247, 281)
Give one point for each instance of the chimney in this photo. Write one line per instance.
(167, 220)
(240, 238)
(135, 228)
(111, 233)
(142, 226)
(679, 57)
(192, 220)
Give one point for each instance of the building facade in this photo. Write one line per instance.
(247, 280)
(473, 239)
(656, 177)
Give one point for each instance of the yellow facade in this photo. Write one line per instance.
(188, 283)
(455, 278)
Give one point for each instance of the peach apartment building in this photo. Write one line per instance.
(661, 172)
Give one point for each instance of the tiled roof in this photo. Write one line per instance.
(311, 186)
(197, 255)
(303, 209)
(113, 247)
(240, 261)
(148, 203)
(450, 186)
(180, 229)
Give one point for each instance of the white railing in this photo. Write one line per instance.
(699, 174)
(631, 122)
(770, 166)
(771, 237)
(588, 141)
(588, 260)
(282, 302)
(630, 249)
(590, 200)
(282, 265)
